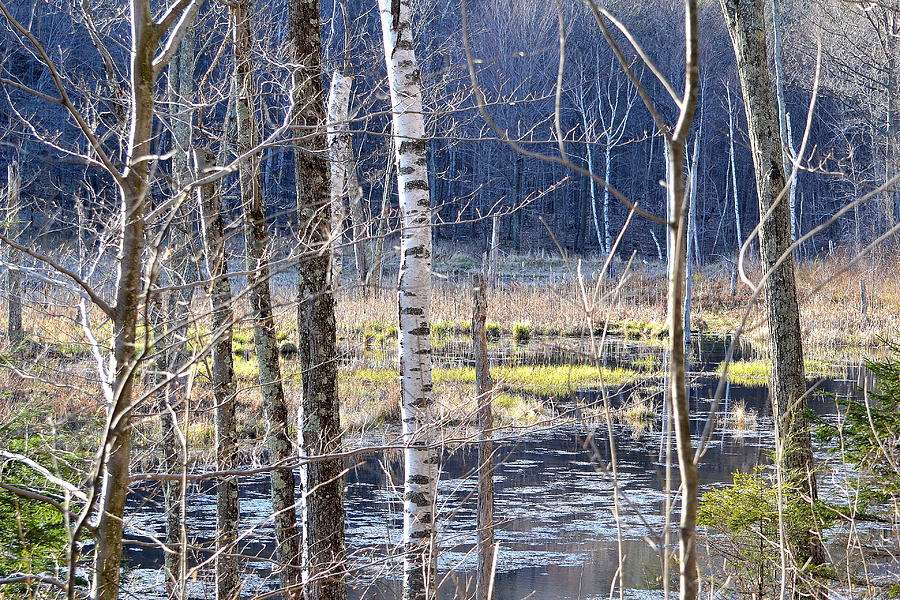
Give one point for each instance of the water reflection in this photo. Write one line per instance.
(557, 533)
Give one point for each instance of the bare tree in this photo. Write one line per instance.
(788, 384)
(484, 393)
(414, 295)
(344, 182)
(320, 423)
(256, 240)
(223, 383)
(14, 332)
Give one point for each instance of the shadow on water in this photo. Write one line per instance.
(557, 532)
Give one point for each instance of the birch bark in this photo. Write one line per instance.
(344, 182)
(414, 296)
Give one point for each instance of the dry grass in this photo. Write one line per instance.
(742, 418)
(830, 318)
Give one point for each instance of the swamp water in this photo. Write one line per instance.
(553, 503)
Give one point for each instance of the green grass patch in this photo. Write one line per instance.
(521, 333)
(543, 380)
(757, 372)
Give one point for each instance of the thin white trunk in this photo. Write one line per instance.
(414, 294)
(607, 238)
(493, 272)
(739, 237)
(344, 182)
(15, 333)
(784, 124)
(691, 231)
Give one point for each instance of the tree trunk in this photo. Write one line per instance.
(320, 426)
(607, 173)
(739, 237)
(414, 294)
(343, 167)
(134, 187)
(784, 123)
(691, 231)
(689, 583)
(383, 221)
(170, 342)
(223, 382)
(788, 385)
(518, 216)
(493, 252)
(15, 333)
(484, 391)
(287, 535)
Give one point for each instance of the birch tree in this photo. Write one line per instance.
(414, 300)
(344, 182)
(744, 19)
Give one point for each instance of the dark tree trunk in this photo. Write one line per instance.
(745, 20)
(484, 391)
(223, 383)
(320, 428)
(256, 239)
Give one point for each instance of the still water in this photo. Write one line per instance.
(554, 504)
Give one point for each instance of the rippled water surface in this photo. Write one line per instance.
(554, 503)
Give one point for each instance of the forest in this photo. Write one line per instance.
(471, 299)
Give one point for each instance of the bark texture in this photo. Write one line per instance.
(134, 187)
(788, 384)
(319, 427)
(344, 183)
(224, 388)
(484, 389)
(414, 295)
(256, 239)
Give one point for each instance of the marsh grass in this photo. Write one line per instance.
(637, 410)
(757, 372)
(521, 333)
(742, 418)
(543, 294)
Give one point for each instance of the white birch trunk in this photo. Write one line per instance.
(493, 254)
(734, 190)
(691, 231)
(607, 238)
(414, 295)
(15, 333)
(343, 170)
